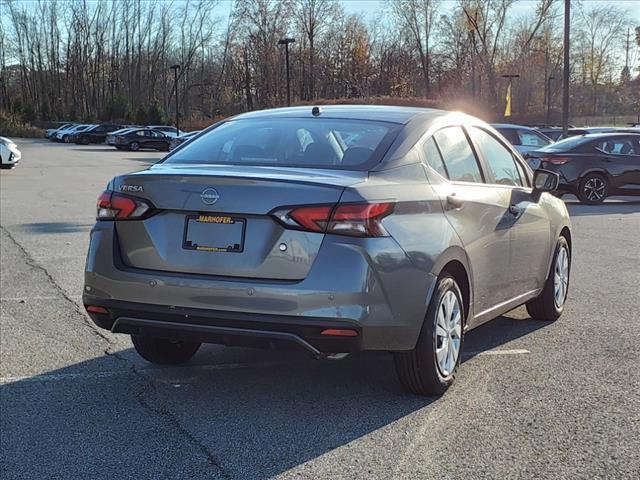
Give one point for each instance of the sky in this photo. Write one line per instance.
(369, 8)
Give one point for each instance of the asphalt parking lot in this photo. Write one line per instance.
(533, 400)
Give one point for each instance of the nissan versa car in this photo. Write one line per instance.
(594, 166)
(335, 230)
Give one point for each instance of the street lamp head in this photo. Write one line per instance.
(175, 67)
(286, 41)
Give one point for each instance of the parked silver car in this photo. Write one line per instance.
(335, 230)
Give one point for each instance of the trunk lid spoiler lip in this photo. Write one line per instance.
(338, 179)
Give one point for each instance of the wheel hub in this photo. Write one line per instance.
(448, 333)
(594, 189)
(561, 277)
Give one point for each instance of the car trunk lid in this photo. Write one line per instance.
(214, 220)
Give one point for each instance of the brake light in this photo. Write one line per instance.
(358, 219)
(115, 206)
(556, 160)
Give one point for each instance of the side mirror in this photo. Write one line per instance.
(545, 181)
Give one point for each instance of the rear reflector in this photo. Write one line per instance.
(338, 332)
(96, 309)
(354, 219)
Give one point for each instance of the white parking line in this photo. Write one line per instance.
(516, 351)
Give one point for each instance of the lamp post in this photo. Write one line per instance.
(286, 42)
(565, 71)
(551, 77)
(111, 82)
(175, 69)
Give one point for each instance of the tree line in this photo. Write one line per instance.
(104, 59)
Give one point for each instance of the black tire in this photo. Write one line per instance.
(593, 189)
(418, 369)
(545, 307)
(134, 146)
(65, 139)
(84, 140)
(163, 351)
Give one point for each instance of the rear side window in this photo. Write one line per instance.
(459, 160)
(511, 135)
(433, 157)
(291, 142)
(502, 166)
(617, 146)
(532, 139)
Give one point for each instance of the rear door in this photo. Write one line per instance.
(620, 157)
(528, 224)
(478, 212)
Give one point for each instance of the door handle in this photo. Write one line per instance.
(515, 209)
(454, 201)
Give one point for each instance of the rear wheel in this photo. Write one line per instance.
(84, 140)
(430, 368)
(593, 189)
(550, 304)
(163, 351)
(134, 146)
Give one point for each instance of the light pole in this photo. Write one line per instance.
(565, 71)
(111, 83)
(175, 69)
(551, 77)
(286, 42)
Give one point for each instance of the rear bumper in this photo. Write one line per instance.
(367, 285)
(226, 328)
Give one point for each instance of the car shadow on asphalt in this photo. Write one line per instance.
(607, 208)
(149, 160)
(56, 227)
(259, 413)
(105, 148)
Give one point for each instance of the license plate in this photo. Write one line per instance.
(214, 233)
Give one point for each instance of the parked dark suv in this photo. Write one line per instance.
(95, 134)
(595, 166)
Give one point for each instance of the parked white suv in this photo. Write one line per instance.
(9, 153)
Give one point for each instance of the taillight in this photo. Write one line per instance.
(115, 206)
(556, 160)
(354, 219)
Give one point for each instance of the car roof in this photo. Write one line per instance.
(608, 135)
(510, 126)
(382, 113)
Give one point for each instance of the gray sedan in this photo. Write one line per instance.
(334, 230)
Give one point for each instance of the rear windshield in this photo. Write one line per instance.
(290, 142)
(566, 144)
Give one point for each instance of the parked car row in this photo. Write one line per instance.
(85, 134)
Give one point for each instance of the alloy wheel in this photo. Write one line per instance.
(594, 189)
(448, 333)
(561, 277)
